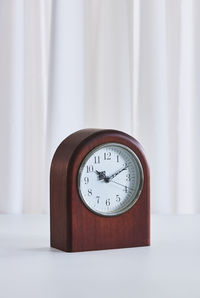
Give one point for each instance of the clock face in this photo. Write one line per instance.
(110, 179)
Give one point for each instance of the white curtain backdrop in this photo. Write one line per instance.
(131, 65)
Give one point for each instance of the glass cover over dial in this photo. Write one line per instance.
(110, 179)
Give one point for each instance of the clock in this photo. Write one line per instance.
(99, 192)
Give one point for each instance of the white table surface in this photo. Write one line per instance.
(169, 268)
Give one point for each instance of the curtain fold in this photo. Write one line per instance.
(12, 106)
(131, 65)
(108, 42)
(24, 39)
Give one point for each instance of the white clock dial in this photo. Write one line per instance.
(110, 179)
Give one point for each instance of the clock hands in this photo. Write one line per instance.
(102, 174)
(109, 178)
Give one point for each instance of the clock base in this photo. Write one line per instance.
(104, 248)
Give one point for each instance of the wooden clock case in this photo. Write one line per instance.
(74, 227)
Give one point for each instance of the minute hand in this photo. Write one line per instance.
(115, 174)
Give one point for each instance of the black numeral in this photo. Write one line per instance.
(97, 159)
(117, 158)
(118, 198)
(108, 202)
(89, 192)
(128, 177)
(97, 197)
(107, 156)
(125, 189)
(86, 179)
(90, 169)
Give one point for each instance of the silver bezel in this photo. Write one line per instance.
(133, 201)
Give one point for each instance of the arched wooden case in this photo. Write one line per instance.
(73, 226)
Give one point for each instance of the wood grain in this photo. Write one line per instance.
(74, 227)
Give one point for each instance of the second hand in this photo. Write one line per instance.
(121, 184)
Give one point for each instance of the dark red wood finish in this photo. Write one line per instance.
(74, 227)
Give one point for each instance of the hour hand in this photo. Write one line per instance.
(98, 173)
(101, 175)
